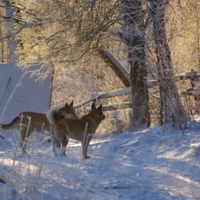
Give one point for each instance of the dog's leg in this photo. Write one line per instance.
(85, 144)
(64, 144)
(55, 144)
(23, 141)
(22, 134)
(51, 132)
(25, 132)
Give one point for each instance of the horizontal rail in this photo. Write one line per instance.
(117, 106)
(125, 91)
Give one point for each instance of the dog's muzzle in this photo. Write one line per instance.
(103, 117)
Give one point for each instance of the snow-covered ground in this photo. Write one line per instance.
(154, 163)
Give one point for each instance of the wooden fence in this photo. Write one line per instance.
(192, 76)
(123, 75)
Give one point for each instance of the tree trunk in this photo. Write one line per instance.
(171, 109)
(12, 43)
(134, 37)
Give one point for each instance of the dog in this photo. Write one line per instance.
(28, 122)
(64, 128)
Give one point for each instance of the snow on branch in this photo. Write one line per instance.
(109, 94)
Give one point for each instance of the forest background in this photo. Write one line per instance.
(153, 40)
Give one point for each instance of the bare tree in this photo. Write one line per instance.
(171, 109)
(7, 45)
(133, 31)
(10, 27)
(68, 31)
(98, 17)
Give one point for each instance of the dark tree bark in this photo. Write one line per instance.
(10, 11)
(171, 109)
(134, 36)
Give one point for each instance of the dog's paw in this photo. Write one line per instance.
(87, 157)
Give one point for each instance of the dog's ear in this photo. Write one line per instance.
(100, 107)
(66, 105)
(71, 104)
(93, 107)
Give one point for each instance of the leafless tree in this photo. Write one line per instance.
(68, 31)
(133, 32)
(171, 109)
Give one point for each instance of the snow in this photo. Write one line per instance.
(155, 163)
(19, 92)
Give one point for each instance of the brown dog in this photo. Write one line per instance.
(28, 122)
(64, 128)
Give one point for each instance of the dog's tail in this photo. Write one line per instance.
(50, 116)
(53, 116)
(12, 125)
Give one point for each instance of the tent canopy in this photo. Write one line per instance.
(19, 92)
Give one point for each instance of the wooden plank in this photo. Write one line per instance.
(117, 106)
(109, 94)
(102, 95)
(84, 102)
(115, 66)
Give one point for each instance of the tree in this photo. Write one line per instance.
(171, 109)
(67, 31)
(133, 31)
(99, 17)
(7, 45)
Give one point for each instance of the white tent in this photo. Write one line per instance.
(19, 92)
